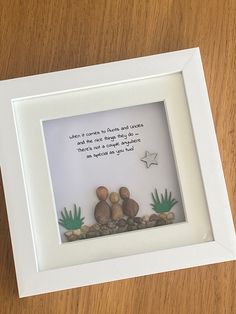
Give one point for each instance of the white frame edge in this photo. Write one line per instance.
(221, 216)
(223, 248)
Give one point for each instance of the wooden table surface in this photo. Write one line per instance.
(43, 36)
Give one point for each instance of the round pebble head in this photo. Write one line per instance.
(124, 192)
(102, 193)
(114, 197)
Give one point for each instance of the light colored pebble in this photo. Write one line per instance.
(85, 228)
(145, 218)
(116, 211)
(114, 197)
(68, 233)
(170, 216)
(76, 232)
(163, 216)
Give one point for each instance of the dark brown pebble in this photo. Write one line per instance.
(105, 232)
(151, 224)
(102, 212)
(124, 192)
(141, 226)
(122, 223)
(113, 231)
(130, 207)
(104, 227)
(160, 222)
(153, 217)
(131, 228)
(93, 234)
(82, 236)
(111, 224)
(122, 229)
(138, 220)
(130, 221)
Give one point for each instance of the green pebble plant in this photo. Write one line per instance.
(162, 203)
(71, 221)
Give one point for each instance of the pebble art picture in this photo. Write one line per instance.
(116, 213)
(113, 172)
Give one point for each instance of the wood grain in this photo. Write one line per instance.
(42, 36)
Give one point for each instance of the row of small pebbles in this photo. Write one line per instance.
(122, 225)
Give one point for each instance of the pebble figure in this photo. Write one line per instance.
(102, 212)
(116, 208)
(129, 206)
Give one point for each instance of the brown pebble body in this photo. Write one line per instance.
(102, 212)
(130, 207)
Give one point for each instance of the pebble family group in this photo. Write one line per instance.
(104, 212)
(117, 213)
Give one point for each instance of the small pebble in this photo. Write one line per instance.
(104, 228)
(111, 224)
(114, 231)
(153, 217)
(122, 229)
(163, 215)
(122, 223)
(170, 216)
(93, 234)
(141, 226)
(131, 228)
(82, 236)
(68, 233)
(138, 220)
(151, 224)
(130, 221)
(145, 218)
(85, 229)
(72, 237)
(95, 227)
(105, 232)
(160, 222)
(76, 232)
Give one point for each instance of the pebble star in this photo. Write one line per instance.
(150, 159)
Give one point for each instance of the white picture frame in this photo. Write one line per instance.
(174, 71)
